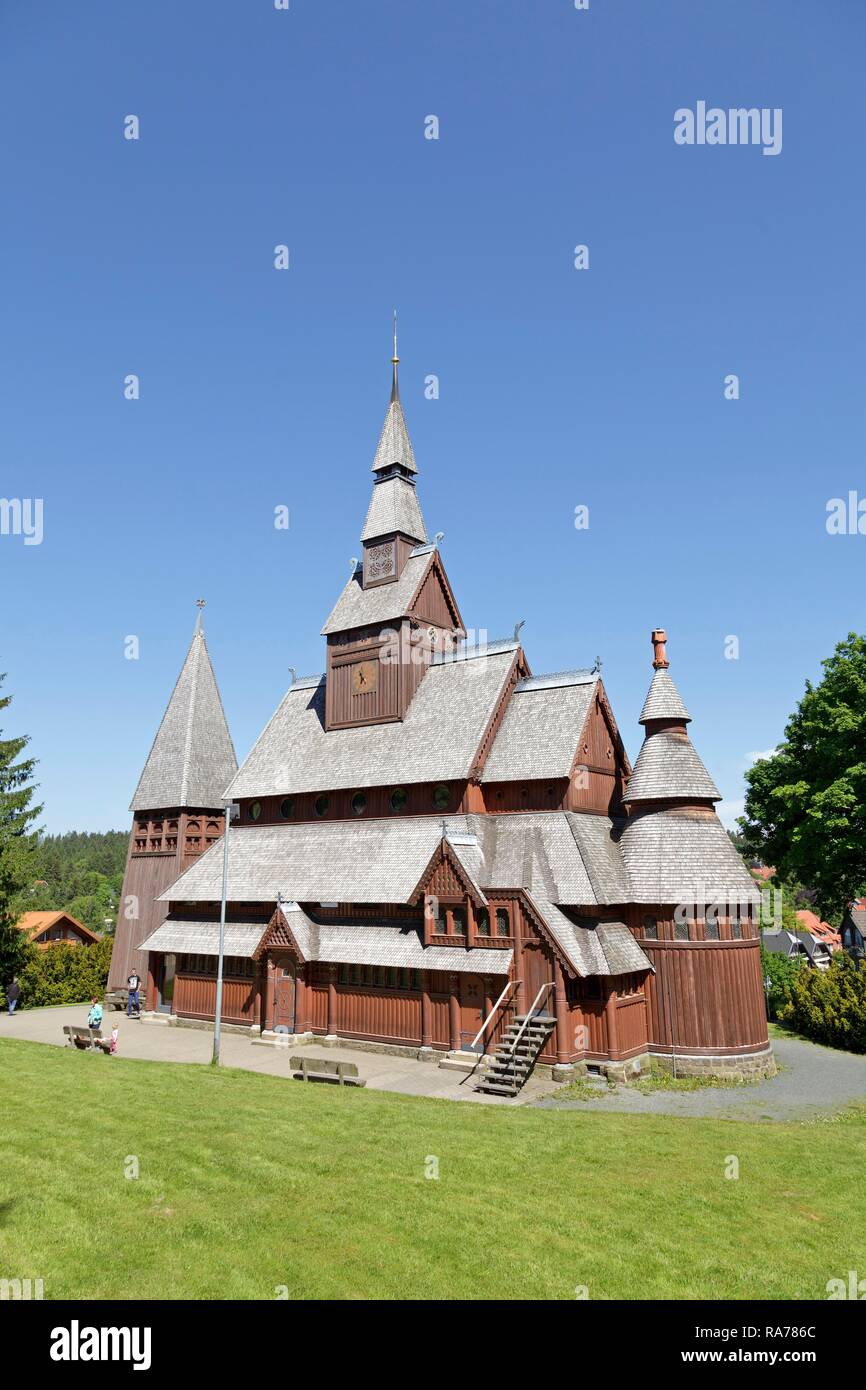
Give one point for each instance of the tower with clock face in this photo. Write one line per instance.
(397, 609)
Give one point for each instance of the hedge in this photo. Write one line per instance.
(64, 973)
(829, 1006)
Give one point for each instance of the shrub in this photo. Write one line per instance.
(781, 972)
(65, 974)
(829, 1006)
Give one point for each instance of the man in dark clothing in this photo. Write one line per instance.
(13, 994)
(133, 984)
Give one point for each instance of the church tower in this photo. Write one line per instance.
(177, 807)
(397, 612)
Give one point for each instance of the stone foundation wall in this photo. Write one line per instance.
(749, 1067)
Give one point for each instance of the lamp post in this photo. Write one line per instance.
(232, 812)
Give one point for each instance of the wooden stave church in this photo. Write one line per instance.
(432, 840)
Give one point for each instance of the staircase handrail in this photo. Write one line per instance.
(512, 984)
(528, 1019)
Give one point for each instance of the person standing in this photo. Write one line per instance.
(94, 1018)
(13, 994)
(133, 984)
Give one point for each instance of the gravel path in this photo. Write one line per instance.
(812, 1081)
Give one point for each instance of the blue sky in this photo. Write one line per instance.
(558, 387)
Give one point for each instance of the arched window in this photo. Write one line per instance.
(359, 804)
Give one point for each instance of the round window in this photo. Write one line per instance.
(322, 804)
(441, 796)
(287, 808)
(359, 803)
(399, 799)
(255, 810)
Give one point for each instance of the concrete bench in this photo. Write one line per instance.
(325, 1069)
(82, 1037)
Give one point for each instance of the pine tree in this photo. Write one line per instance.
(17, 841)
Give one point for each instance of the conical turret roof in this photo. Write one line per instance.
(663, 700)
(192, 759)
(668, 768)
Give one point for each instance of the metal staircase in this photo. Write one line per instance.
(518, 1051)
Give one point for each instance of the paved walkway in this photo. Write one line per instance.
(813, 1081)
(157, 1042)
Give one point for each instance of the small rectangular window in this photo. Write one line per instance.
(736, 931)
(711, 931)
(681, 931)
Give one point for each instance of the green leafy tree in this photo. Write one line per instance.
(805, 806)
(781, 973)
(17, 843)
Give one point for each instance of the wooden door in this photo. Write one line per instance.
(471, 1009)
(284, 994)
(537, 971)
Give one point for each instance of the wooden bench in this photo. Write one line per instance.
(82, 1037)
(324, 1069)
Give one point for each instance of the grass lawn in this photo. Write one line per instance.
(248, 1183)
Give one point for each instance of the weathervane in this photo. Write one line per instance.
(199, 603)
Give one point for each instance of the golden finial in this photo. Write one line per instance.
(395, 389)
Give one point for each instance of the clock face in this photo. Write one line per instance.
(365, 677)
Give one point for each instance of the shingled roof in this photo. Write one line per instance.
(192, 757)
(684, 856)
(437, 741)
(541, 727)
(663, 700)
(394, 506)
(384, 603)
(375, 861)
(668, 767)
(557, 856)
(351, 943)
(202, 938)
(395, 446)
(603, 948)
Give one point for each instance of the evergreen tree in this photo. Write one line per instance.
(17, 842)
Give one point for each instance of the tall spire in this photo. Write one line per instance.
(394, 451)
(395, 389)
(192, 759)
